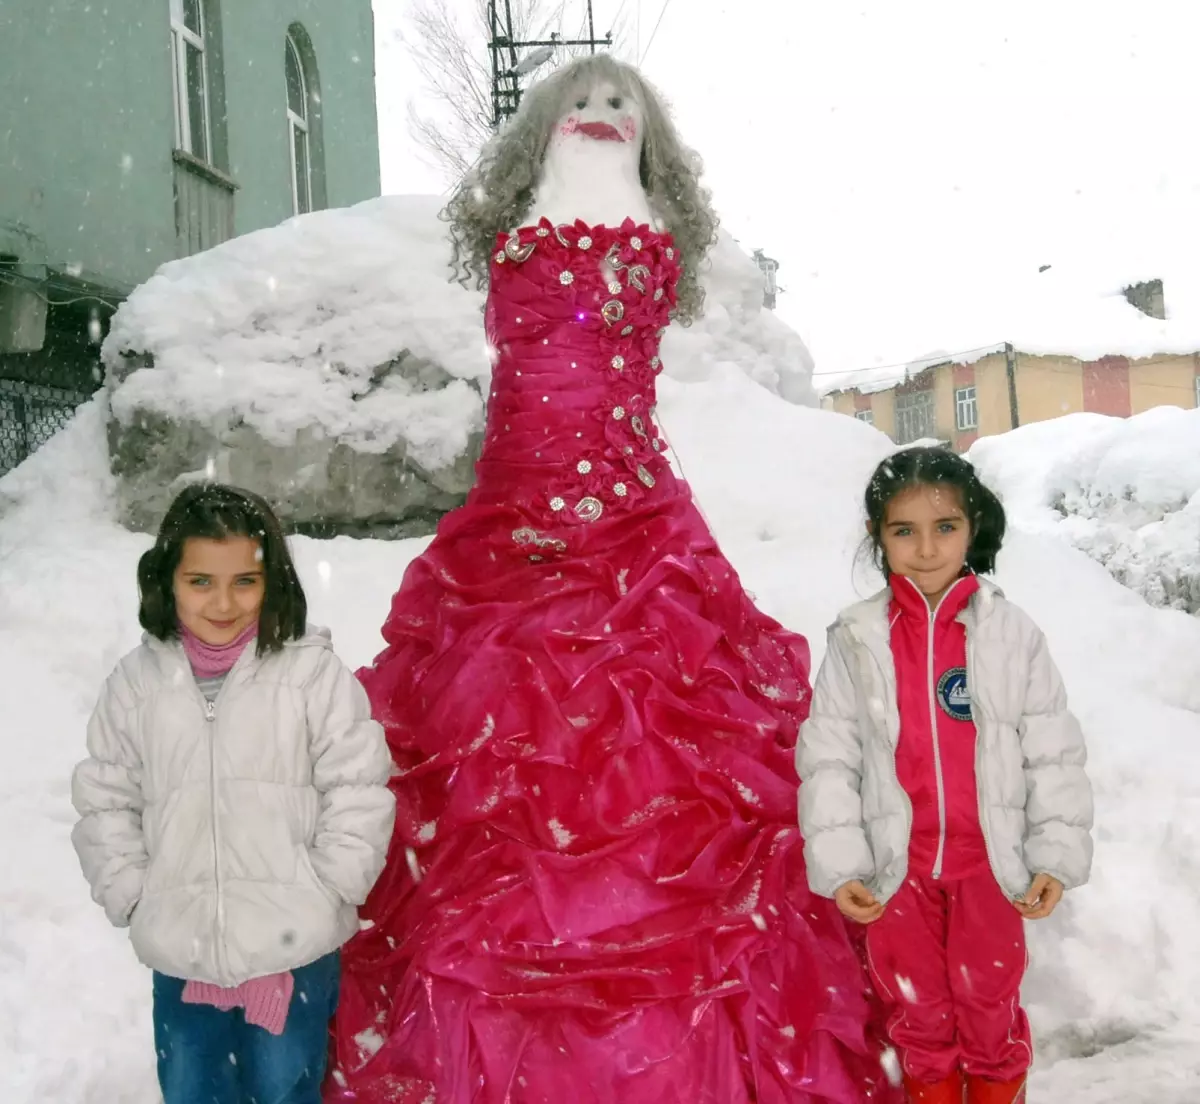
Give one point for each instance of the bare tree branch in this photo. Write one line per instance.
(455, 117)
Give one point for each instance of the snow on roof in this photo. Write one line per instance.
(288, 327)
(1077, 310)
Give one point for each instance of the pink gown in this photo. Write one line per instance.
(595, 892)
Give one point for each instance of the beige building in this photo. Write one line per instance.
(958, 402)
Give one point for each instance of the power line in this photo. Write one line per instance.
(654, 32)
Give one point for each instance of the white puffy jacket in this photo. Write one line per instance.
(1035, 802)
(236, 839)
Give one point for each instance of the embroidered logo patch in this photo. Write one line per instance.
(953, 695)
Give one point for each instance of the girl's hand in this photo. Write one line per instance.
(858, 903)
(1042, 898)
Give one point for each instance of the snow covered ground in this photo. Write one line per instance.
(1124, 490)
(1114, 989)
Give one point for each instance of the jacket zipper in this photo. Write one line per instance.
(937, 747)
(933, 728)
(210, 715)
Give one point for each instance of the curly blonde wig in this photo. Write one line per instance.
(497, 194)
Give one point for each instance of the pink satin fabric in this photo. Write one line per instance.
(595, 892)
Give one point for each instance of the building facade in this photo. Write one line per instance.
(139, 131)
(958, 403)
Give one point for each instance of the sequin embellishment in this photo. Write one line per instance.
(589, 509)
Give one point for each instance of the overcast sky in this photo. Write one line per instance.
(908, 159)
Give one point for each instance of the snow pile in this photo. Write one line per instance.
(1125, 491)
(738, 330)
(1077, 309)
(1114, 989)
(295, 326)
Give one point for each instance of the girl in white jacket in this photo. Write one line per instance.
(943, 798)
(234, 808)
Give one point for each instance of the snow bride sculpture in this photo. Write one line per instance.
(595, 893)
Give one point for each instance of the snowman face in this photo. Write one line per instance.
(603, 113)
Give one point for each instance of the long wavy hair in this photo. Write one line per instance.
(497, 194)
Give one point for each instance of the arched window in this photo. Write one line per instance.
(304, 122)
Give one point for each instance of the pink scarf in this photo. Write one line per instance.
(265, 1000)
(210, 660)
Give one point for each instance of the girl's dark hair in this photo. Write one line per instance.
(922, 467)
(214, 511)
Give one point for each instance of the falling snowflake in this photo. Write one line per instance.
(563, 837)
(369, 1042)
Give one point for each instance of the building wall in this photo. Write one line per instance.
(1048, 387)
(991, 392)
(87, 125)
(943, 401)
(343, 39)
(840, 402)
(883, 404)
(1163, 381)
(87, 128)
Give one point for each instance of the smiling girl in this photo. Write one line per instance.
(234, 808)
(943, 798)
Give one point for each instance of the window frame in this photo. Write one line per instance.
(298, 125)
(182, 36)
(867, 416)
(911, 405)
(966, 408)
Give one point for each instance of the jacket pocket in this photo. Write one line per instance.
(306, 875)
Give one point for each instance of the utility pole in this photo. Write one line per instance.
(510, 64)
(1010, 370)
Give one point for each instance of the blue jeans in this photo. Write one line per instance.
(206, 1056)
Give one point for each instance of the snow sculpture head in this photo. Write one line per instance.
(497, 194)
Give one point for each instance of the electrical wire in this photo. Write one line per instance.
(654, 32)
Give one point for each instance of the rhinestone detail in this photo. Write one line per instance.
(618, 412)
(626, 331)
(589, 509)
(620, 490)
(584, 467)
(542, 232)
(658, 294)
(636, 242)
(618, 362)
(557, 504)
(566, 277)
(645, 476)
(585, 242)
(615, 288)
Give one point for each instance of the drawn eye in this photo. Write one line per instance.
(615, 102)
(581, 104)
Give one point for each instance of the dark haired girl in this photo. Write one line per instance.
(943, 797)
(234, 808)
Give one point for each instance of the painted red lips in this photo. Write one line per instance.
(602, 132)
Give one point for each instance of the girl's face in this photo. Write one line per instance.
(219, 587)
(603, 113)
(925, 537)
